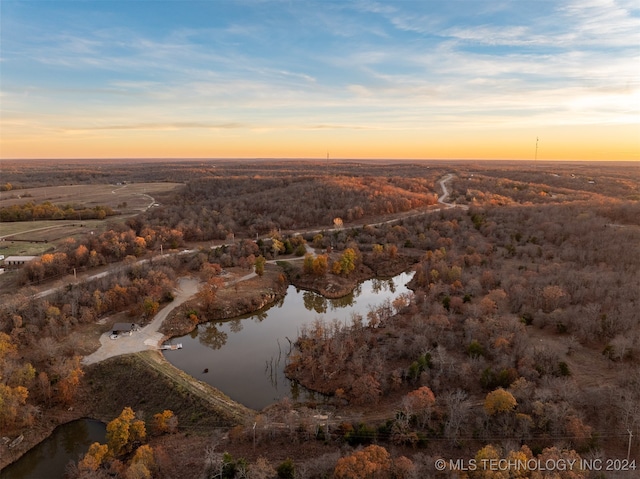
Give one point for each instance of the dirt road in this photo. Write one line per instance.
(445, 194)
(148, 337)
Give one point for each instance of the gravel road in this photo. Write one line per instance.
(147, 337)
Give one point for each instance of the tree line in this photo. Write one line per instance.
(48, 211)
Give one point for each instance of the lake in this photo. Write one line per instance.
(48, 459)
(245, 356)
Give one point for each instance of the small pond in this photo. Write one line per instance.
(245, 357)
(48, 459)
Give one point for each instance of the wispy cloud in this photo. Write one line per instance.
(282, 66)
(162, 126)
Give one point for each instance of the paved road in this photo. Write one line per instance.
(148, 337)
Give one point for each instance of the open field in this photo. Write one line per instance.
(37, 237)
(41, 230)
(126, 198)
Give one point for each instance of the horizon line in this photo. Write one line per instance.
(322, 159)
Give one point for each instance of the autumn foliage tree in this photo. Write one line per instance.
(208, 292)
(259, 265)
(317, 266)
(71, 373)
(372, 462)
(14, 381)
(124, 431)
(123, 454)
(165, 422)
(93, 459)
(499, 401)
(419, 404)
(346, 263)
(143, 463)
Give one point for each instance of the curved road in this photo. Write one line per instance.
(445, 194)
(149, 336)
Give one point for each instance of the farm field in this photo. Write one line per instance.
(126, 198)
(37, 237)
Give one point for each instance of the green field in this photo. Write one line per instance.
(41, 236)
(8, 248)
(37, 237)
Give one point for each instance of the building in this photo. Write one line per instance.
(122, 328)
(17, 261)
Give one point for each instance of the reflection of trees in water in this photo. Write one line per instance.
(392, 285)
(72, 436)
(235, 325)
(212, 337)
(294, 389)
(300, 393)
(273, 368)
(347, 300)
(259, 316)
(379, 285)
(65, 443)
(314, 302)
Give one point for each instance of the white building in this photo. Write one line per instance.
(17, 261)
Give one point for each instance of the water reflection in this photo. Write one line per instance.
(320, 305)
(245, 357)
(49, 458)
(314, 302)
(211, 336)
(235, 325)
(380, 285)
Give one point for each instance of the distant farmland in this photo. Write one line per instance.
(126, 198)
(36, 237)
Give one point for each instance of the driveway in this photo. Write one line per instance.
(146, 338)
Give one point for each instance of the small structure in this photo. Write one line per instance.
(17, 261)
(16, 441)
(171, 347)
(123, 328)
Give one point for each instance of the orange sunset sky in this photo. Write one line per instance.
(247, 79)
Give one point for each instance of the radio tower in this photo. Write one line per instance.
(536, 157)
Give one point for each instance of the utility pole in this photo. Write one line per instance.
(254, 434)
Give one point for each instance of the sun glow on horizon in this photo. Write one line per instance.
(362, 80)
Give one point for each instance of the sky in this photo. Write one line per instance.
(458, 79)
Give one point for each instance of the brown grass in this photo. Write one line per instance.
(147, 382)
(90, 195)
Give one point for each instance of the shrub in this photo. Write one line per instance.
(286, 470)
(475, 349)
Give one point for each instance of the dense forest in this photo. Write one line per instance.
(520, 339)
(214, 207)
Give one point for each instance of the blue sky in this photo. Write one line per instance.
(420, 79)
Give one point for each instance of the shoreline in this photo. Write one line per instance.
(271, 290)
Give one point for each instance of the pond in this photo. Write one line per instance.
(48, 459)
(245, 357)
